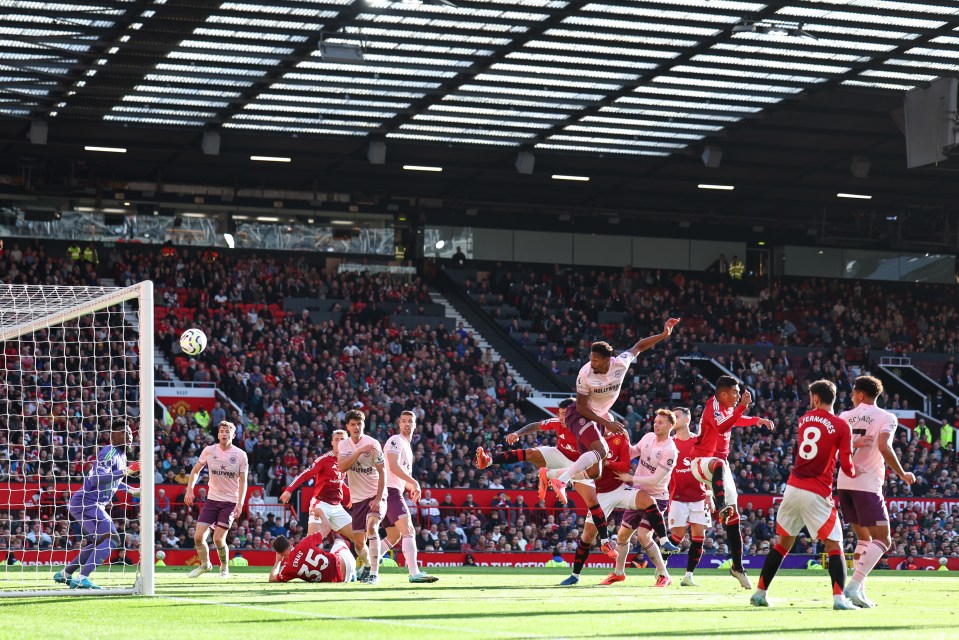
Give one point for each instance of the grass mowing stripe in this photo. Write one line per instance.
(333, 616)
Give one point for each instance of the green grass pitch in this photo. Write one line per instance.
(491, 603)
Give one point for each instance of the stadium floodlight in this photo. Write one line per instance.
(854, 196)
(105, 149)
(717, 187)
(559, 176)
(62, 330)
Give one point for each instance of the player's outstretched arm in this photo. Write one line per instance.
(306, 474)
(649, 342)
(526, 430)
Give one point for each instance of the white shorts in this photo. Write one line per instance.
(683, 513)
(699, 467)
(801, 508)
(342, 550)
(622, 498)
(556, 459)
(335, 516)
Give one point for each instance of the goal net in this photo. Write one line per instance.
(75, 361)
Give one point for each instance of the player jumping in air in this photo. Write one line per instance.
(397, 520)
(597, 388)
(688, 503)
(88, 507)
(860, 497)
(656, 455)
(228, 468)
(807, 501)
(326, 507)
(308, 561)
(710, 463)
(361, 458)
(546, 458)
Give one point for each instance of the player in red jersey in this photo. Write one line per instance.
(688, 503)
(710, 465)
(559, 457)
(310, 563)
(614, 492)
(807, 501)
(326, 506)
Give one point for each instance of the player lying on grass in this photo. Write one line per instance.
(308, 561)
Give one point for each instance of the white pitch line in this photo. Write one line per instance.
(333, 616)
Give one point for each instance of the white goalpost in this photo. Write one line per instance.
(73, 360)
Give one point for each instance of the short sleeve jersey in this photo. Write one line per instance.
(603, 388)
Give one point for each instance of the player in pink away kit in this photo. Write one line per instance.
(597, 388)
(562, 455)
(228, 467)
(361, 459)
(397, 520)
(807, 501)
(326, 507)
(710, 464)
(860, 497)
(656, 458)
(688, 503)
(308, 561)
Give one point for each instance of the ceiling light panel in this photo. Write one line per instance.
(592, 149)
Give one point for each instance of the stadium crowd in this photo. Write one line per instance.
(292, 379)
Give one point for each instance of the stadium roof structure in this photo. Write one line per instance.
(627, 93)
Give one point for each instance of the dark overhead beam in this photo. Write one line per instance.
(469, 75)
(169, 24)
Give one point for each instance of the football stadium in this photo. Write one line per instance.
(493, 318)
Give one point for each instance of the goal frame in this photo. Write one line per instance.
(144, 584)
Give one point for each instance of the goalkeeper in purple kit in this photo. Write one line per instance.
(88, 507)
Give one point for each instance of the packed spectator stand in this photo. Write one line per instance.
(294, 373)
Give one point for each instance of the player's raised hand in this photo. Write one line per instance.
(511, 438)
(746, 399)
(285, 497)
(133, 469)
(670, 325)
(766, 422)
(909, 478)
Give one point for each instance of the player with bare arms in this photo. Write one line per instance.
(360, 457)
(860, 497)
(326, 506)
(597, 388)
(397, 520)
(656, 455)
(228, 467)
